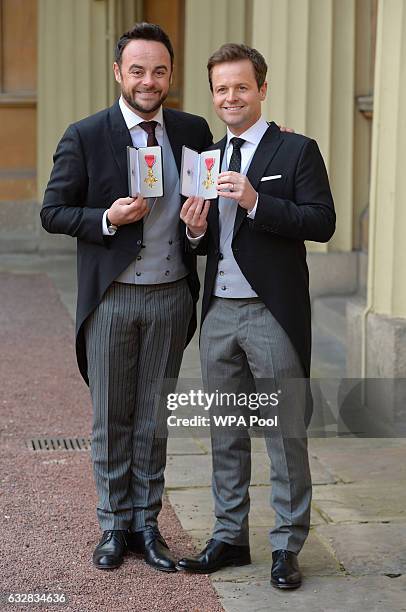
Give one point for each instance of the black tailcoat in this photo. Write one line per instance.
(270, 249)
(89, 174)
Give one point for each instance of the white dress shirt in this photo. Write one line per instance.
(252, 138)
(139, 138)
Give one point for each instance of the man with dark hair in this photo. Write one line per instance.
(143, 31)
(256, 330)
(137, 287)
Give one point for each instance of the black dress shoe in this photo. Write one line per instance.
(151, 545)
(110, 551)
(285, 573)
(216, 555)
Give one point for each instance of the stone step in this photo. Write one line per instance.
(329, 336)
(328, 354)
(329, 314)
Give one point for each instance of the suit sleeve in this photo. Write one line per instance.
(206, 142)
(207, 137)
(201, 246)
(311, 215)
(64, 209)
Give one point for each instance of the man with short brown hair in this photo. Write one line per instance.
(256, 323)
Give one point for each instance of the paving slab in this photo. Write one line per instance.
(196, 471)
(184, 472)
(318, 594)
(368, 549)
(364, 501)
(368, 463)
(332, 448)
(257, 443)
(315, 558)
(184, 446)
(345, 444)
(194, 507)
(321, 474)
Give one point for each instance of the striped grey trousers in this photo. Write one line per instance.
(134, 341)
(243, 349)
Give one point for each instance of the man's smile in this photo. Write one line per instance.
(147, 94)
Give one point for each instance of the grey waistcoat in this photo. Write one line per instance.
(230, 281)
(160, 258)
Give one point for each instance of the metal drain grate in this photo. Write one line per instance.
(59, 444)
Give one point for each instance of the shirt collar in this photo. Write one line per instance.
(254, 134)
(132, 119)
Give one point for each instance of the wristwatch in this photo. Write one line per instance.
(111, 228)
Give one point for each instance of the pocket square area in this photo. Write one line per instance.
(271, 178)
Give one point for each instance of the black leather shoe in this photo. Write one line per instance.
(216, 555)
(285, 573)
(110, 551)
(151, 545)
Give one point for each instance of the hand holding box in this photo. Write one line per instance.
(199, 173)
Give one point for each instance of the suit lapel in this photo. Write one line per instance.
(266, 150)
(120, 140)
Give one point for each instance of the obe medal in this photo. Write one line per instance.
(208, 181)
(150, 179)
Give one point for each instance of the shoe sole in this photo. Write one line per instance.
(216, 569)
(286, 587)
(104, 567)
(160, 569)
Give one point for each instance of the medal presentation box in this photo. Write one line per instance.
(199, 173)
(145, 175)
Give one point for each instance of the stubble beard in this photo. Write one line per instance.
(142, 109)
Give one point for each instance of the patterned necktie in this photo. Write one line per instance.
(149, 128)
(235, 161)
